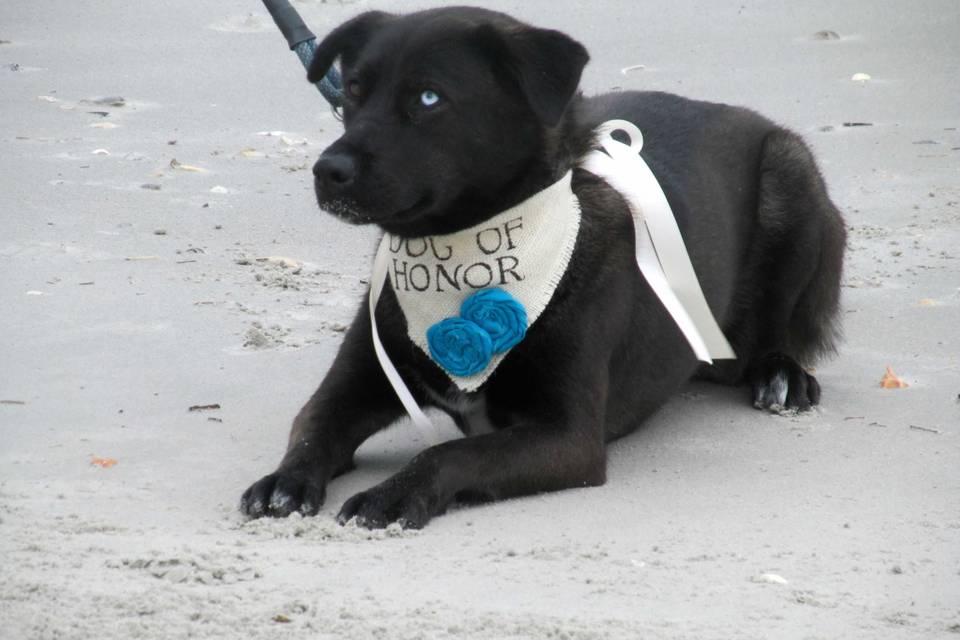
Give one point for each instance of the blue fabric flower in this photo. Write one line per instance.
(460, 346)
(499, 314)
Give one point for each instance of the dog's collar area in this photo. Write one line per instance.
(503, 268)
(525, 251)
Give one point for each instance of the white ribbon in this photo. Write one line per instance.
(661, 256)
(661, 253)
(419, 418)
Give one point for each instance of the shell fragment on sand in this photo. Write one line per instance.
(108, 101)
(826, 34)
(179, 166)
(891, 381)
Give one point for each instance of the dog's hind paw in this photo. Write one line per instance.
(779, 383)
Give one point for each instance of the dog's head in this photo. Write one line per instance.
(445, 111)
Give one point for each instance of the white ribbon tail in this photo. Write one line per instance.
(419, 418)
(653, 272)
(661, 253)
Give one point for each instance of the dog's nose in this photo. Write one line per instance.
(335, 170)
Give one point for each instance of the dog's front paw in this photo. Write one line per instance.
(411, 505)
(779, 383)
(281, 493)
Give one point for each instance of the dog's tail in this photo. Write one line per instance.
(806, 286)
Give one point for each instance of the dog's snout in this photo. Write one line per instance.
(336, 170)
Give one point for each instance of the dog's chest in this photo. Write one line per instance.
(470, 409)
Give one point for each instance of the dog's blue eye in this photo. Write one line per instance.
(429, 98)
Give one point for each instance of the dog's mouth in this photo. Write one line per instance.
(405, 216)
(346, 210)
(349, 210)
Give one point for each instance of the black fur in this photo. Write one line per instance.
(764, 238)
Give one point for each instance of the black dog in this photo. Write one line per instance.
(454, 115)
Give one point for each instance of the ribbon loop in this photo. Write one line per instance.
(605, 133)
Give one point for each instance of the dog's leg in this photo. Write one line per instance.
(354, 401)
(516, 461)
(791, 285)
(566, 450)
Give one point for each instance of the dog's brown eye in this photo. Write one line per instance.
(354, 88)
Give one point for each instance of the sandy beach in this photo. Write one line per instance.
(171, 295)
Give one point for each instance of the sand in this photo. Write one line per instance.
(164, 251)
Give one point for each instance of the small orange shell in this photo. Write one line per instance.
(891, 381)
(106, 463)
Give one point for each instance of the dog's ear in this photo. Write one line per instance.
(345, 39)
(545, 63)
